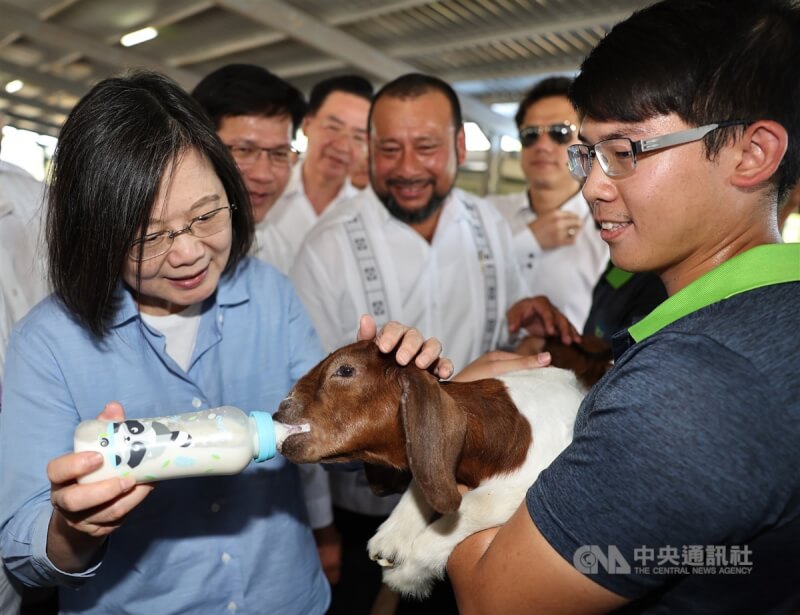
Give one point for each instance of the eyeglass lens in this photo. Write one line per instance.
(614, 155)
(204, 225)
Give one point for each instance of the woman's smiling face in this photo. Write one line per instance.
(188, 273)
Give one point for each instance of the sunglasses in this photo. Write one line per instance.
(559, 133)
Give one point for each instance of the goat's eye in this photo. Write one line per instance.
(345, 371)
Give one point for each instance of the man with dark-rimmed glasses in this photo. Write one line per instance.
(556, 242)
(680, 491)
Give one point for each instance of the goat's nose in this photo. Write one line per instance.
(285, 404)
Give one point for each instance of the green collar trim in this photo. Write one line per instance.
(617, 277)
(758, 267)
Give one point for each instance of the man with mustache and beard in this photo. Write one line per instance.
(416, 250)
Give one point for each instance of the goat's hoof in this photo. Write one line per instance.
(383, 562)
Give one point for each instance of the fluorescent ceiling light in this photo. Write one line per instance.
(140, 36)
(14, 86)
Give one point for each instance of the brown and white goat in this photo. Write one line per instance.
(493, 436)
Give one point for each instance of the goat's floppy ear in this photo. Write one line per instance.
(435, 429)
(384, 480)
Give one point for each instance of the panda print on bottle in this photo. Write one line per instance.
(133, 440)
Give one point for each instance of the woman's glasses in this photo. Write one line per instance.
(204, 225)
(559, 133)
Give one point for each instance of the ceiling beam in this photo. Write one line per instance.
(33, 102)
(21, 117)
(171, 14)
(310, 31)
(44, 80)
(66, 38)
(212, 51)
(208, 53)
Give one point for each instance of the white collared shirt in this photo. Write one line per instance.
(280, 233)
(565, 275)
(438, 288)
(22, 260)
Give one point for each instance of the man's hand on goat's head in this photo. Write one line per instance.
(409, 344)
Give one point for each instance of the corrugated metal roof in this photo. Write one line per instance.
(490, 50)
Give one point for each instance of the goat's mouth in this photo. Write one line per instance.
(283, 431)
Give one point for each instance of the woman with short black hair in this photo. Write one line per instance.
(156, 306)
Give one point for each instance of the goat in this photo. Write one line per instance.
(361, 405)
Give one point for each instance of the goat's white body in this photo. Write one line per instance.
(415, 551)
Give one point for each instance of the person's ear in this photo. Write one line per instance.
(461, 146)
(760, 151)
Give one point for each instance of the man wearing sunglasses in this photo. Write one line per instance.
(555, 240)
(680, 491)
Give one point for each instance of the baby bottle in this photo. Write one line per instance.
(206, 443)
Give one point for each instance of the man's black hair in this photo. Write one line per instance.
(246, 89)
(546, 88)
(705, 61)
(349, 84)
(413, 85)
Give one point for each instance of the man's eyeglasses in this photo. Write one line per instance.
(281, 156)
(559, 133)
(204, 225)
(617, 157)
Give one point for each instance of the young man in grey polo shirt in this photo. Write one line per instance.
(680, 492)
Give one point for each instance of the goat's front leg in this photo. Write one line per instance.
(390, 544)
(489, 505)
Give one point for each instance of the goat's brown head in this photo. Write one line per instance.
(361, 405)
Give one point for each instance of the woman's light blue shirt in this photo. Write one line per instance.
(201, 545)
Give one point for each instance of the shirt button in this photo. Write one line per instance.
(197, 402)
(215, 507)
(232, 606)
(225, 558)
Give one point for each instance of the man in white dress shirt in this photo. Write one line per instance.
(415, 250)
(256, 115)
(555, 240)
(23, 280)
(23, 283)
(336, 128)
